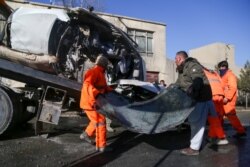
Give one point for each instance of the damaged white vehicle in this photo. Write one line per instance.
(62, 42)
(50, 49)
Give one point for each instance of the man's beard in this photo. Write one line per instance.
(179, 68)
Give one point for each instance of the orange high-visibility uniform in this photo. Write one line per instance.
(93, 84)
(215, 129)
(2, 2)
(230, 89)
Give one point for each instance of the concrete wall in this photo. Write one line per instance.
(210, 55)
(169, 73)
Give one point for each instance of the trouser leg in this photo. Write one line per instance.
(101, 135)
(197, 121)
(90, 129)
(215, 128)
(211, 128)
(235, 122)
(220, 111)
(218, 103)
(97, 124)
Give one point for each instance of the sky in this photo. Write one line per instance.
(193, 23)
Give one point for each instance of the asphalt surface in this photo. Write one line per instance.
(63, 148)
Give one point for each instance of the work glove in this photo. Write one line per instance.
(96, 107)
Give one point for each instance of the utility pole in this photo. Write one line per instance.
(227, 49)
(246, 100)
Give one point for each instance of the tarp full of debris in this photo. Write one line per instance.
(159, 114)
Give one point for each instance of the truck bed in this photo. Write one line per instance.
(31, 76)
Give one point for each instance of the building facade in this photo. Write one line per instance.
(210, 55)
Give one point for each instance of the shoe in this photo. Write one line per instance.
(239, 135)
(109, 129)
(189, 151)
(221, 142)
(84, 136)
(104, 149)
(217, 141)
(211, 139)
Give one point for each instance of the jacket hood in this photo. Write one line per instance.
(191, 59)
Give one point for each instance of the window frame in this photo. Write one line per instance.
(132, 34)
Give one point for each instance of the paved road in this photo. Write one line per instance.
(63, 148)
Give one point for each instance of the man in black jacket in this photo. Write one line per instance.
(192, 80)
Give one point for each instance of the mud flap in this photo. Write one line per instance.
(50, 107)
(167, 110)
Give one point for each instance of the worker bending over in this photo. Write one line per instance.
(94, 83)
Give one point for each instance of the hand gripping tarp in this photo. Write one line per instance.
(167, 110)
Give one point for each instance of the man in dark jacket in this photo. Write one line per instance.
(192, 80)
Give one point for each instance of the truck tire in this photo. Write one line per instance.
(7, 111)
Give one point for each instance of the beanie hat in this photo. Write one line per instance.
(223, 64)
(102, 61)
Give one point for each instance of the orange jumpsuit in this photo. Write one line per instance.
(230, 89)
(93, 84)
(215, 129)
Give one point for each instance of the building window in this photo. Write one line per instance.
(144, 41)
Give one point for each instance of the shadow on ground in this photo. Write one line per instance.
(171, 140)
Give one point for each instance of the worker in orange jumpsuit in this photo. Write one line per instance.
(94, 83)
(230, 90)
(216, 133)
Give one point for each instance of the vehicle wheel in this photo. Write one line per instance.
(6, 111)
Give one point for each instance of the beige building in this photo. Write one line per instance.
(210, 55)
(150, 37)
